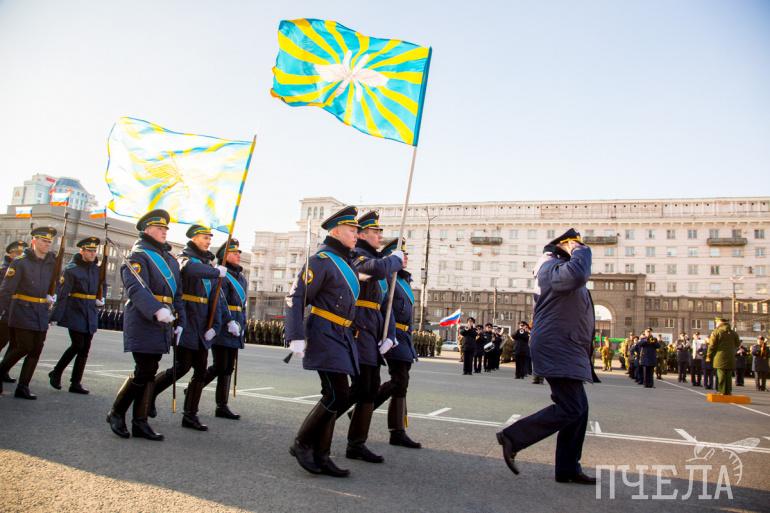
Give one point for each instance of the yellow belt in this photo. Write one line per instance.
(78, 295)
(368, 304)
(235, 308)
(29, 299)
(195, 299)
(402, 327)
(336, 319)
(164, 299)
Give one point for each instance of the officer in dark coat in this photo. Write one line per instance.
(648, 357)
(119, 318)
(24, 303)
(683, 351)
(469, 334)
(483, 344)
(229, 338)
(12, 251)
(561, 346)
(521, 349)
(374, 273)
(740, 364)
(198, 286)
(153, 284)
(400, 357)
(325, 341)
(77, 300)
(497, 340)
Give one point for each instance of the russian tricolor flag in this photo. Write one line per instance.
(451, 319)
(24, 212)
(98, 213)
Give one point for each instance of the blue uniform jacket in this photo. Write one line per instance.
(199, 279)
(369, 322)
(142, 333)
(78, 314)
(563, 327)
(648, 354)
(233, 307)
(330, 346)
(30, 276)
(403, 307)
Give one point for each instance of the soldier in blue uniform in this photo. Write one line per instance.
(24, 303)
(648, 346)
(325, 341)
(75, 309)
(12, 251)
(229, 338)
(153, 284)
(198, 286)
(374, 273)
(401, 357)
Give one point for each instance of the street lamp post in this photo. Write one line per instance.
(423, 292)
(733, 279)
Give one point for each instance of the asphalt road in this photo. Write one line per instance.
(59, 454)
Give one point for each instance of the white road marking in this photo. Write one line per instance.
(253, 389)
(684, 434)
(513, 418)
(595, 428)
(704, 395)
(303, 397)
(438, 412)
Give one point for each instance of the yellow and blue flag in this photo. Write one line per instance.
(374, 85)
(198, 179)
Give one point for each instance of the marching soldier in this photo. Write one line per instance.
(230, 336)
(648, 346)
(330, 287)
(197, 288)
(75, 309)
(374, 273)
(400, 357)
(12, 251)
(152, 282)
(722, 345)
(607, 355)
(24, 303)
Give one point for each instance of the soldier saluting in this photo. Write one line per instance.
(152, 282)
(12, 250)
(24, 302)
(75, 309)
(329, 284)
(198, 287)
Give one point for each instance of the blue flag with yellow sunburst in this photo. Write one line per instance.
(374, 85)
(198, 179)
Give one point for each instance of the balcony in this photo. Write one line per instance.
(600, 240)
(486, 241)
(727, 241)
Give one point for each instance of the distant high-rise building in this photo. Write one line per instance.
(38, 190)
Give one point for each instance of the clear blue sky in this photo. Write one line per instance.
(526, 100)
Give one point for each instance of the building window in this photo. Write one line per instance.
(759, 252)
(759, 270)
(493, 282)
(475, 281)
(737, 252)
(653, 322)
(513, 234)
(476, 266)
(531, 234)
(460, 234)
(550, 234)
(512, 283)
(649, 251)
(670, 322)
(458, 265)
(628, 321)
(759, 234)
(671, 286)
(670, 234)
(696, 324)
(650, 286)
(494, 267)
(443, 234)
(609, 268)
(737, 232)
(476, 250)
(670, 251)
(713, 233)
(692, 234)
(531, 250)
(692, 269)
(714, 252)
(442, 280)
(609, 252)
(649, 269)
(692, 287)
(629, 234)
(714, 270)
(714, 288)
(670, 268)
(761, 288)
(629, 285)
(630, 251)
(530, 283)
(629, 268)
(692, 252)
(442, 265)
(459, 282)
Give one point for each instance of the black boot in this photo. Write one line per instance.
(223, 389)
(139, 426)
(77, 388)
(163, 380)
(54, 378)
(22, 392)
(397, 424)
(8, 379)
(306, 438)
(323, 448)
(359, 432)
(191, 400)
(117, 416)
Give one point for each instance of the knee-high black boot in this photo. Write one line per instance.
(163, 380)
(117, 416)
(140, 428)
(307, 437)
(323, 447)
(397, 426)
(191, 400)
(223, 389)
(359, 432)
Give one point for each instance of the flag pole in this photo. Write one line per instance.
(394, 278)
(213, 307)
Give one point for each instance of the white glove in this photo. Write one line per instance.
(399, 254)
(209, 335)
(222, 271)
(177, 335)
(99, 302)
(164, 315)
(298, 347)
(234, 328)
(386, 345)
(51, 299)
